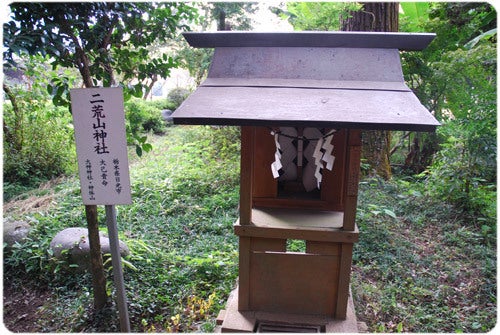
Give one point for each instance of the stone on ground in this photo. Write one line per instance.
(14, 231)
(72, 244)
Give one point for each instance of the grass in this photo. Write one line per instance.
(179, 231)
(419, 266)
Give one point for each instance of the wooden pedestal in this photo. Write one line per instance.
(231, 320)
(314, 282)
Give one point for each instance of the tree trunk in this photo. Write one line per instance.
(96, 264)
(375, 16)
(422, 149)
(149, 87)
(221, 21)
(82, 62)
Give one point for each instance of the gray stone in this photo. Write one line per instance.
(14, 231)
(166, 114)
(72, 244)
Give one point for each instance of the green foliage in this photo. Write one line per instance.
(457, 23)
(295, 245)
(143, 116)
(316, 15)
(43, 146)
(488, 35)
(139, 141)
(464, 170)
(455, 77)
(101, 40)
(464, 174)
(230, 15)
(472, 93)
(32, 256)
(38, 137)
(177, 96)
(414, 15)
(162, 104)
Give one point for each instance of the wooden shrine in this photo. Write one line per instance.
(301, 100)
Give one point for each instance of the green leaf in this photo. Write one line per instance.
(415, 12)
(137, 91)
(390, 213)
(469, 45)
(128, 264)
(138, 150)
(399, 327)
(147, 147)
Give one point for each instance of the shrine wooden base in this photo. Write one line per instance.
(312, 282)
(231, 320)
(281, 290)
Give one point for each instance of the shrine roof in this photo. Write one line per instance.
(307, 79)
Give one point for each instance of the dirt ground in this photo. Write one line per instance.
(20, 306)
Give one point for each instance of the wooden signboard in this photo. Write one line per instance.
(101, 145)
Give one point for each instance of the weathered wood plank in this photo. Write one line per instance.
(296, 218)
(293, 283)
(344, 280)
(401, 41)
(296, 107)
(352, 179)
(246, 174)
(244, 273)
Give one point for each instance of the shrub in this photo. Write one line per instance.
(178, 95)
(38, 141)
(142, 116)
(464, 170)
(162, 104)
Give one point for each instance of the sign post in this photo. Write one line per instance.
(121, 298)
(99, 121)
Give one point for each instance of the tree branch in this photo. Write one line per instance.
(81, 59)
(400, 142)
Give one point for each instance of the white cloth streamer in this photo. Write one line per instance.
(308, 176)
(288, 153)
(276, 165)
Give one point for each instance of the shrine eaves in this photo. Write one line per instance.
(307, 79)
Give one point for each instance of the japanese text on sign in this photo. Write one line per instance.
(101, 145)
